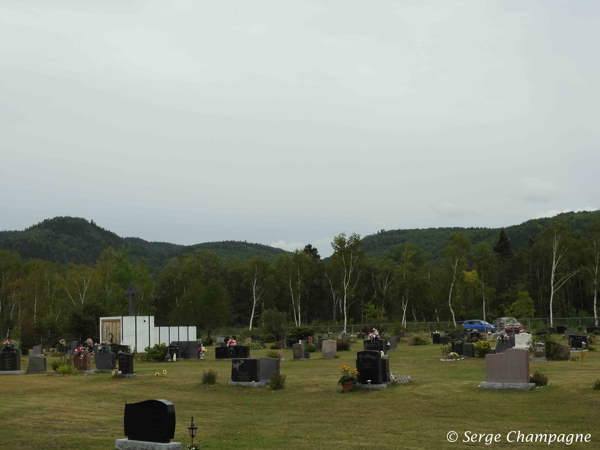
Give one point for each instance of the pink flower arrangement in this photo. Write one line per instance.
(374, 334)
(201, 349)
(8, 342)
(231, 343)
(502, 337)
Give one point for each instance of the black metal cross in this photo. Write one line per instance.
(131, 292)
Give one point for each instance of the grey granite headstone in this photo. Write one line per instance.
(393, 341)
(540, 352)
(37, 364)
(37, 349)
(507, 371)
(298, 351)
(329, 349)
(267, 366)
(468, 350)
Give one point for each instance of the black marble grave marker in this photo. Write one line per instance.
(221, 352)
(369, 366)
(9, 359)
(376, 344)
(126, 363)
(106, 361)
(245, 370)
(458, 346)
(560, 329)
(436, 338)
(576, 341)
(241, 351)
(150, 421)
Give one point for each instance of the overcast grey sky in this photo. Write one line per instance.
(286, 123)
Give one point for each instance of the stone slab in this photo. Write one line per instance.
(12, 372)
(400, 379)
(371, 387)
(250, 384)
(507, 386)
(126, 444)
(329, 349)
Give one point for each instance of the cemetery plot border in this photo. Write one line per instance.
(12, 372)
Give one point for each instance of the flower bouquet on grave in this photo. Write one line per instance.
(231, 343)
(453, 355)
(349, 375)
(105, 347)
(80, 352)
(8, 343)
(374, 334)
(201, 351)
(502, 337)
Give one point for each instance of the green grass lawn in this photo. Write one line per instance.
(86, 411)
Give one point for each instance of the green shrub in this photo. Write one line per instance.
(398, 329)
(419, 340)
(597, 385)
(272, 354)
(66, 369)
(445, 349)
(55, 365)
(539, 378)
(277, 380)
(551, 347)
(597, 332)
(269, 338)
(452, 334)
(310, 348)
(580, 328)
(156, 353)
(253, 345)
(245, 333)
(301, 333)
(343, 346)
(482, 348)
(209, 377)
(274, 347)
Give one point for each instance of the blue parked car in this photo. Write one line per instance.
(480, 325)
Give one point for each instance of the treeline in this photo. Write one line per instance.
(556, 274)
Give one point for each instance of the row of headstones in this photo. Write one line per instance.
(253, 370)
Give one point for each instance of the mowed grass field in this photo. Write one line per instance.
(84, 412)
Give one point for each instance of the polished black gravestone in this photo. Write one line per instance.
(458, 346)
(369, 366)
(245, 370)
(444, 340)
(106, 361)
(560, 329)
(10, 359)
(150, 421)
(221, 352)
(436, 338)
(289, 343)
(187, 349)
(126, 363)
(376, 344)
(241, 351)
(576, 341)
(592, 329)
(266, 367)
(468, 350)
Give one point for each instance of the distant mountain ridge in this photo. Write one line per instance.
(75, 240)
(432, 240)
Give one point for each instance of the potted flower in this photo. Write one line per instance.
(348, 378)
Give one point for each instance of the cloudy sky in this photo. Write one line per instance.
(286, 123)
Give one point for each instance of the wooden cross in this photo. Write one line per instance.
(131, 292)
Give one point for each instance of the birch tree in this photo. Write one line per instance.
(458, 247)
(593, 267)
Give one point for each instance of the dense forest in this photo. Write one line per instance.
(58, 277)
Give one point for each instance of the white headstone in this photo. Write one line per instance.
(522, 340)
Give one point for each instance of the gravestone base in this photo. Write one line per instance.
(371, 387)
(89, 372)
(104, 370)
(12, 372)
(126, 444)
(506, 386)
(534, 359)
(251, 384)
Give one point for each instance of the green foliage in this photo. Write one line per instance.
(273, 321)
(445, 349)
(277, 380)
(67, 369)
(419, 340)
(310, 348)
(55, 365)
(522, 307)
(272, 354)
(539, 378)
(370, 312)
(552, 347)
(343, 346)
(482, 348)
(597, 385)
(253, 345)
(156, 353)
(301, 333)
(209, 377)
(268, 338)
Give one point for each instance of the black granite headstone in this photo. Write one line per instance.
(385, 367)
(577, 341)
(376, 344)
(444, 340)
(369, 366)
(173, 349)
(245, 370)
(560, 329)
(436, 338)
(150, 421)
(458, 346)
(106, 361)
(9, 359)
(468, 350)
(290, 342)
(126, 363)
(592, 329)
(241, 351)
(221, 352)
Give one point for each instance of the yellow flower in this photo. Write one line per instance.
(156, 374)
(114, 373)
(164, 371)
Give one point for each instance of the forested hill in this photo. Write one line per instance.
(70, 239)
(432, 240)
